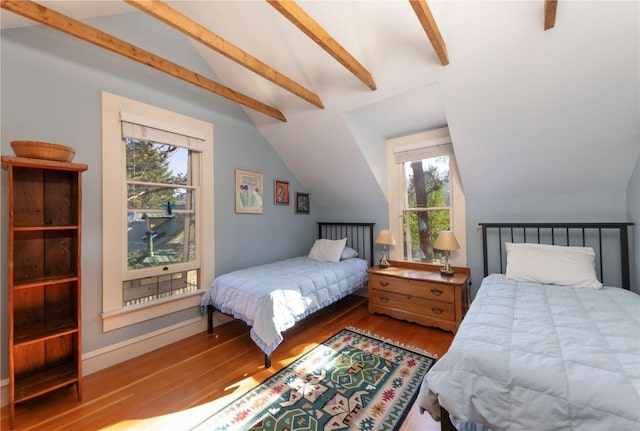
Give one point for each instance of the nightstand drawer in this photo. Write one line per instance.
(417, 288)
(413, 304)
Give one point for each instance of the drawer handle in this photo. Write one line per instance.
(384, 299)
(437, 310)
(436, 292)
(384, 283)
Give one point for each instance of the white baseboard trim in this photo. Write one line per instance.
(111, 355)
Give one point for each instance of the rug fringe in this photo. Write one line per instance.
(388, 340)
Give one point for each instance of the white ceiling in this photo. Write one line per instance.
(530, 111)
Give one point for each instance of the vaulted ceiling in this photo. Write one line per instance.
(530, 111)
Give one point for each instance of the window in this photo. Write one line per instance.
(157, 221)
(427, 208)
(425, 196)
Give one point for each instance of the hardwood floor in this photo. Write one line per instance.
(171, 387)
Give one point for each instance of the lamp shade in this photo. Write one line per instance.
(446, 241)
(385, 237)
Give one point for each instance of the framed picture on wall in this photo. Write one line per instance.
(248, 192)
(302, 203)
(281, 192)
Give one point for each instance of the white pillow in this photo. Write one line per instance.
(552, 264)
(327, 250)
(348, 253)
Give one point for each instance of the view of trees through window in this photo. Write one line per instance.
(160, 218)
(427, 211)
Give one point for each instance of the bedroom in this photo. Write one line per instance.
(534, 119)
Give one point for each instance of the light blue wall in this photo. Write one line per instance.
(633, 212)
(51, 91)
(577, 207)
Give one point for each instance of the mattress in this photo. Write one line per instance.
(533, 357)
(272, 297)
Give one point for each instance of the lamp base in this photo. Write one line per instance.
(446, 272)
(382, 265)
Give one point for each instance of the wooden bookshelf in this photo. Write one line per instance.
(44, 238)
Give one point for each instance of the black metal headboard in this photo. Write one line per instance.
(359, 236)
(610, 242)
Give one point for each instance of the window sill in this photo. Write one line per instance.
(126, 316)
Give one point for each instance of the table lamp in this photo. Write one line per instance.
(446, 241)
(385, 238)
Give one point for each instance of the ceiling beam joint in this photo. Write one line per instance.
(298, 17)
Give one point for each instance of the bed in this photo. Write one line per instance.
(532, 354)
(272, 297)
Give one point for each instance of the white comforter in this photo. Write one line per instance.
(272, 297)
(542, 357)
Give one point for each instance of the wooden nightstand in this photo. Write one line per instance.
(418, 293)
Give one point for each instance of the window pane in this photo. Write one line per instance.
(420, 231)
(161, 286)
(161, 219)
(427, 182)
(157, 238)
(156, 163)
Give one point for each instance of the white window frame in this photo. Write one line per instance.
(114, 246)
(396, 191)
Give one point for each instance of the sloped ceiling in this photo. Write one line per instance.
(530, 111)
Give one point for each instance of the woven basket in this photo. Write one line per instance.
(43, 150)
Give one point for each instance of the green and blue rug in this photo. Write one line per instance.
(351, 381)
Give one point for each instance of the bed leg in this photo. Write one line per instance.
(210, 319)
(267, 361)
(445, 422)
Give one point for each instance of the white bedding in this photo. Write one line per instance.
(542, 357)
(272, 297)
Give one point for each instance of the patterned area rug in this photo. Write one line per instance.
(351, 381)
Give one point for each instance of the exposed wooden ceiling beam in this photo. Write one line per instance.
(550, 7)
(290, 10)
(189, 27)
(423, 12)
(90, 34)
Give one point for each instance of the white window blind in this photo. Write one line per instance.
(422, 150)
(143, 129)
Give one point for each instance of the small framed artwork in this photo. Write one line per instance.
(302, 203)
(248, 192)
(281, 192)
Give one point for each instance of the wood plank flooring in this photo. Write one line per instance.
(177, 385)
